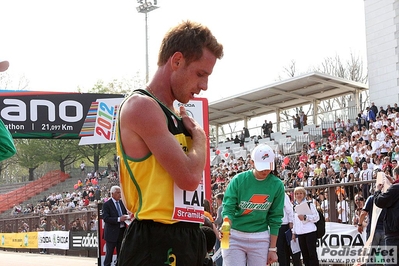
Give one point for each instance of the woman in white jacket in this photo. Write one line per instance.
(304, 229)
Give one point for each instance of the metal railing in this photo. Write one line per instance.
(349, 191)
(324, 120)
(55, 222)
(31, 189)
(65, 220)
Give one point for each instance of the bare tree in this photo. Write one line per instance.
(352, 69)
(291, 69)
(124, 86)
(232, 127)
(6, 83)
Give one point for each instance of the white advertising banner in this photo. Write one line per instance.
(100, 123)
(343, 244)
(53, 239)
(341, 235)
(83, 240)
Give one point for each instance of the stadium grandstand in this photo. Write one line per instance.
(338, 152)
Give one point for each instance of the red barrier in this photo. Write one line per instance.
(34, 188)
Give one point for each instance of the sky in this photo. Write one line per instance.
(62, 45)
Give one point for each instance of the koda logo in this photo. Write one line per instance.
(186, 104)
(342, 240)
(45, 239)
(256, 202)
(189, 113)
(62, 239)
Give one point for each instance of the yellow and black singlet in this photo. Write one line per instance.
(147, 188)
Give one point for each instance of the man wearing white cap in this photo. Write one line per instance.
(7, 148)
(253, 203)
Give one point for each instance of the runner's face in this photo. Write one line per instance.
(189, 80)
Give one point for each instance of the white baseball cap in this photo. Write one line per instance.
(263, 157)
(4, 65)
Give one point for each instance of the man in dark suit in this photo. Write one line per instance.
(114, 216)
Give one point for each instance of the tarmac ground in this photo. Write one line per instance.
(37, 259)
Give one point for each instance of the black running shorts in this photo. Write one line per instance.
(157, 244)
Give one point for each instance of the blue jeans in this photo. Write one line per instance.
(378, 240)
(219, 261)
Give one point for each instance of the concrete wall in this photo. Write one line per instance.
(382, 35)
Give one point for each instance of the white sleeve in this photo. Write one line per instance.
(314, 217)
(289, 209)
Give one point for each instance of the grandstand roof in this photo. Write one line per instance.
(290, 93)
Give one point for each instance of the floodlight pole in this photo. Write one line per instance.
(146, 7)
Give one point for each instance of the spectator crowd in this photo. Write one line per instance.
(351, 151)
(84, 196)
